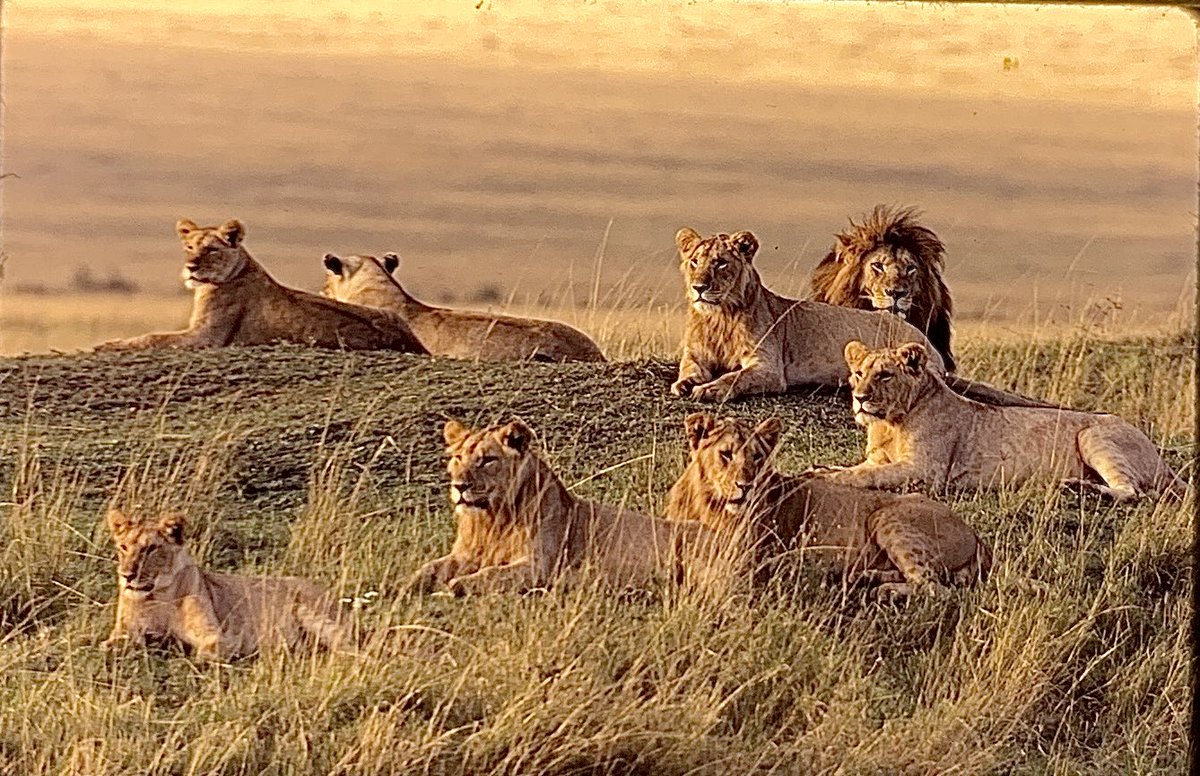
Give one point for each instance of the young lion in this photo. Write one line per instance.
(901, 542)
(366, 280)
(918, 430)
(165, 595)
(237, 303)
(519, 527)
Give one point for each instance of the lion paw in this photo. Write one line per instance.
(683, 387)
(711, 392)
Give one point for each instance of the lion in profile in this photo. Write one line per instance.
(519, 528)
(366, 280)
(743, 339)
(919, 431)
(164, 595)
(899, 543)
(236, 302)
(890, 262)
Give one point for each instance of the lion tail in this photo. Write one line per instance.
(997, 397)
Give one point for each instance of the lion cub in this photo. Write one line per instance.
(519, 528)
(236, 302)
(165, 595)
(903, 543)
(369, 281)
(918, 430)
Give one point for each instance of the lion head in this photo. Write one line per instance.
(718, 270)
(349, 277)
(148, 551)
(729, 457)
(890, 262)
(885, 384)
(214, 253)
(486, 465)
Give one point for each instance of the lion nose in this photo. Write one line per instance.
(460, 485)
(700, 289)
(861, 397)
(899, 294)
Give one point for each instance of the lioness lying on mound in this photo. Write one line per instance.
(743, 339)
(165, 595)
(236, 302)
(918, 430)
(519, 527)
(366, 280)
(900, 542)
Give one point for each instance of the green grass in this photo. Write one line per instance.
(1072, 658)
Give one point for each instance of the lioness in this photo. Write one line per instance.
(741, 338)
(165, 595)
(236, 302)
(918, 430)
(519, 527)
(366, 280)
(900, 542)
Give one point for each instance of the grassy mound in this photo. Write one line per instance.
(1071, 659)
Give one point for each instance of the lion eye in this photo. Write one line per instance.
(726, 455)
(858, 373)
(124, 548)
(488, 460)
(885, 376)
(877, 266)
(911, 268)
(720, 264)
(694, 263)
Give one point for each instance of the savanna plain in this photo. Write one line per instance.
(1072, 658)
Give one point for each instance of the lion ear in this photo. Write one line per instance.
(232, 232)
(172, 526)
(454, 432)
(745, 243)
(855, 352)
(517, 436)
(913, 356)
(391, 262)
(333, 263)
(686, 239)
(118, 521)
(184, 227)
(769, 431)
(698, 425)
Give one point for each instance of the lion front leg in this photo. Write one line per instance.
(753, 379)
(173, 339)
(200, 628)
(439, 572)
(871, 475)
(691, 374)
(512, 577)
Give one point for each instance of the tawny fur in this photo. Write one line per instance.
(164, 595)
(919, 431)
(901, 543)
(890, 262)
(519, 528)
(366, 280)
(743, 339)
(236, 302)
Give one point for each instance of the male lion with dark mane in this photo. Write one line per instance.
(900, 543)
(366, 280)
(236, 302)
(165, 595)
(519, 528)
(890, 262)
(919, 431)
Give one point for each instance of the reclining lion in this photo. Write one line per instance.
(236, 302)
(919, 431)
(902, 543)
(165, 595)
(743, 339)
(366, 280)
(519, 528)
